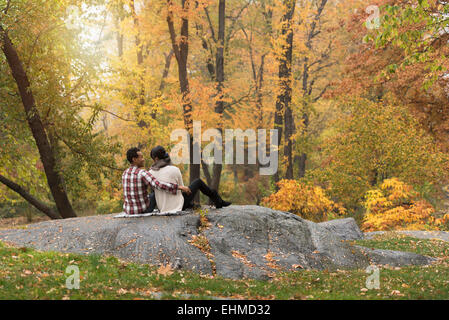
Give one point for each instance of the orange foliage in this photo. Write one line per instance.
(397, 206)
(363, 64)
(309, 202)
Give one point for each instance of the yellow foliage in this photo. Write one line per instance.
(309, 202)
(442, 221)
(396, 206)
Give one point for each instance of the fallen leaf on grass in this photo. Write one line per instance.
(396, 293)
(165, 270)
(122, 291)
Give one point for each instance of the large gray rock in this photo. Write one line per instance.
(244, 242)
(347, 228)
(394, 258)
(439, 235)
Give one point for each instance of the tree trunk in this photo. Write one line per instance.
(303, 157)
(258, 83)
(118, 14)
(181, 52)
(307, 86)
(283, 113)
(28, 197)
(168, 59)
(119, 38)
(259, 96)
(46, 153)
(139, 47)
(206, 173)
(219, 107)
(373, 181)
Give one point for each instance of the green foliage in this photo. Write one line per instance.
(109, 206)
(375, 141)
(15, 208)
(414, 28)
(62, 73)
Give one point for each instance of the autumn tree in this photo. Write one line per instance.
(181, 52)
(284, 114)
(314, 59)
(374, 141)
(41, 80)
(37, 128)
(405, 55)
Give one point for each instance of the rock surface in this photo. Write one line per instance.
(440, 235)
(244, 242)
(394, 258)
(347, 228)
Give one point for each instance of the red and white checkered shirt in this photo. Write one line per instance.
(135, 183)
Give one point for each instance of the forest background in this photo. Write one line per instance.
(358, 91)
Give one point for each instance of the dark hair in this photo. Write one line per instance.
(131, 154)
(160, 153)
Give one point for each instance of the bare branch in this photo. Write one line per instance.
(107, 111)
(168, 59)
(75, 150)
(8, 4)
(324, 66)
(312, 32)
(234, 21)
(172, 31)
(39, 205)
(239, 100)
(321, 93)
(211, 27)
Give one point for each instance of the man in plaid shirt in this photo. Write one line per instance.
(135, 181)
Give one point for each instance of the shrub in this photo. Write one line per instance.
(397, 206)
(307, 201)
(108, 206)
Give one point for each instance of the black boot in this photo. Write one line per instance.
(218, 201)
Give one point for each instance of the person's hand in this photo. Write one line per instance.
(185, 189)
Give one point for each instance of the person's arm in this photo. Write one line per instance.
(149, 179)
(181, 183)
(178, 177)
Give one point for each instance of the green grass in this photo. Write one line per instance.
(30, 274)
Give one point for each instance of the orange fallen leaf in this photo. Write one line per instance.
(396, 293)
(122, 291)
(165, 270)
